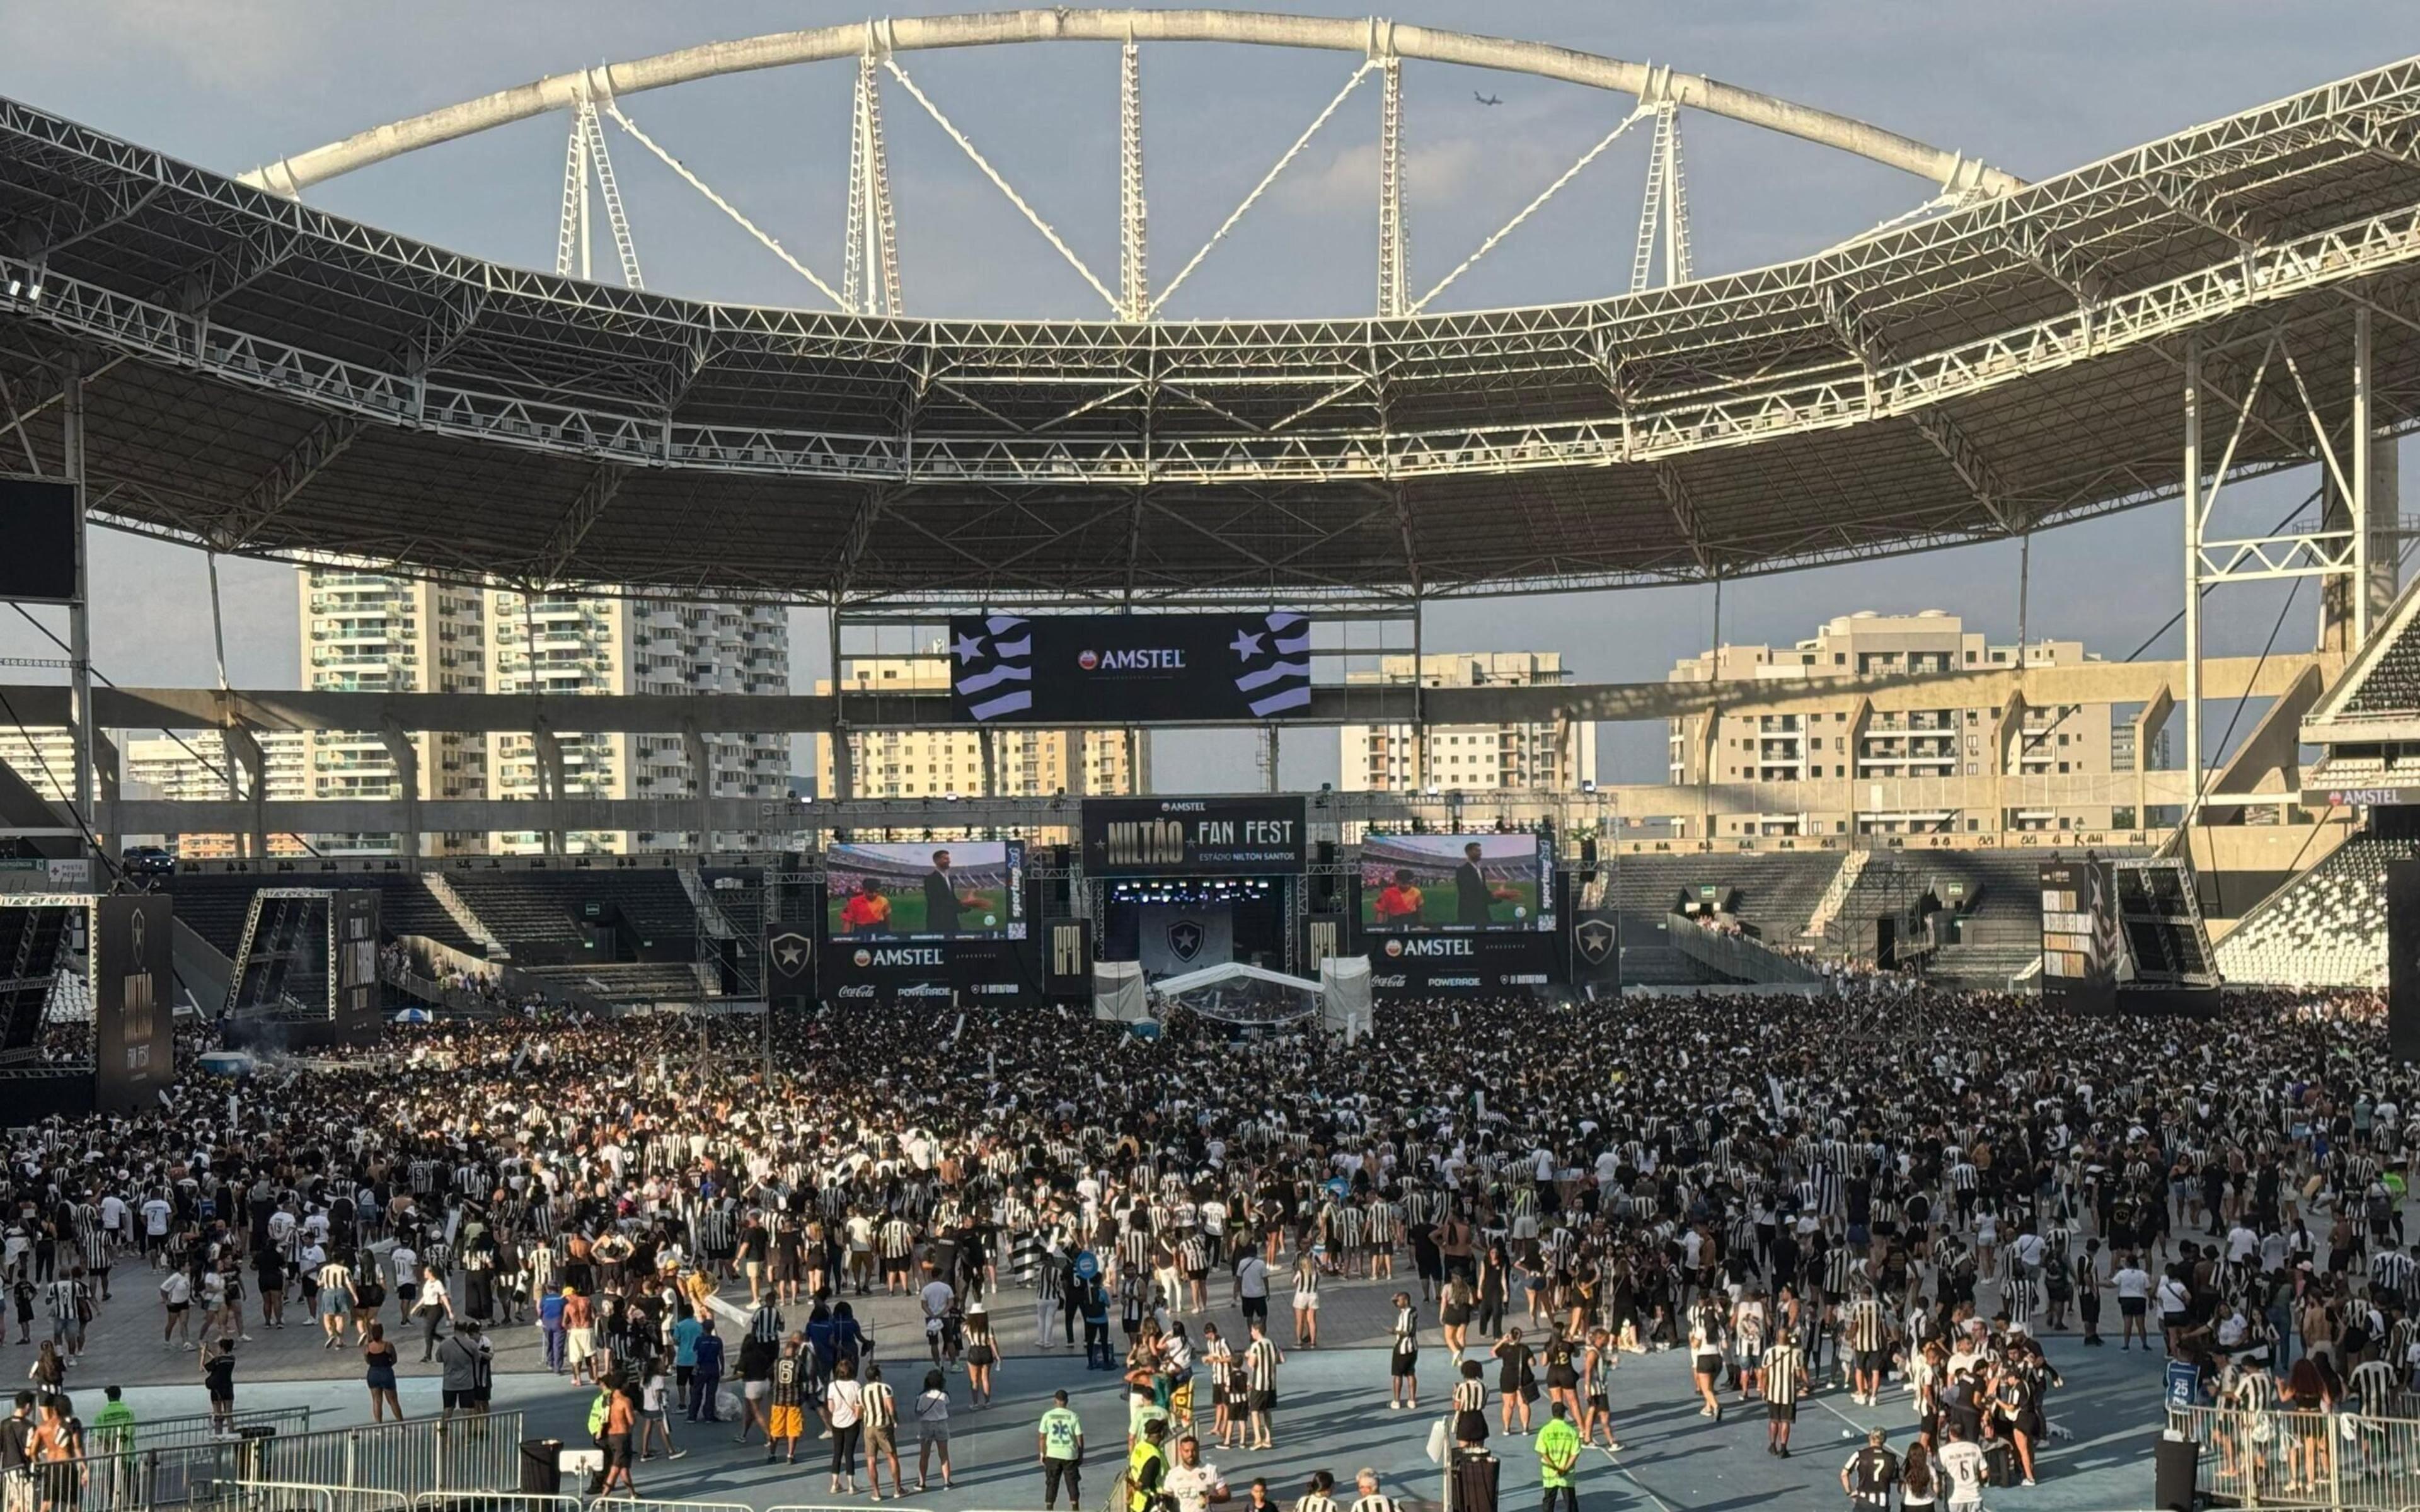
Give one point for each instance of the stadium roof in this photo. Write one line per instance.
(279, 381)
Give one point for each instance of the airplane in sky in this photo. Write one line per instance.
(1485, 99)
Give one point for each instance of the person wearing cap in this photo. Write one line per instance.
(1559, 1453)
(1147, 1468)
(1870, 1473)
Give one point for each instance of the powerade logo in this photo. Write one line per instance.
(1446, 945)
(925, 989)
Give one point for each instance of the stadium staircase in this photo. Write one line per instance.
(2327, 928)
(465, 919)
(1836, 892)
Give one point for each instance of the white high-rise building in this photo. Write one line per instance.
(195, 769)
(366, 632)
(1543, 756)
(571, 645)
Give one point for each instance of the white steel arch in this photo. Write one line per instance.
(1952, 171)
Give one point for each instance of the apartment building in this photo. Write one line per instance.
(195, 769)
(368, 632)
(936, 764)
(1857, 763)
(570, 646)
(1544, 756)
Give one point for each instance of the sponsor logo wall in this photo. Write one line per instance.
(971, 970)
(1065, 668)
(1468, 965)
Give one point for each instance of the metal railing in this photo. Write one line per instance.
(287, 1496)
(500, 1502)
(2282, 1458)
(201, 1427)
(467, 1454)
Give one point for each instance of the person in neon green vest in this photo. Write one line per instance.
(1559, 1451)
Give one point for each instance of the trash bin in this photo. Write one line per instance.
(2173, 1461)
(252, 1449)
(541, 1468)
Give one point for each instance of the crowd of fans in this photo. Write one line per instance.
(1903, 1191)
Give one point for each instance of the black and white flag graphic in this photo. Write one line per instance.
(1273, 669)
(1109, 668)
(992, 663)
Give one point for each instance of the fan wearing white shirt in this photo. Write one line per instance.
(2133, 1285)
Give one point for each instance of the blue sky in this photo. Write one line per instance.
(2035, 88)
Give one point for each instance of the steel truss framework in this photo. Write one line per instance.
(270, 379)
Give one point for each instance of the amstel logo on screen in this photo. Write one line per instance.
(864, 957)
(1089, 660)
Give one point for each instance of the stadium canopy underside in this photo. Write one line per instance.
(274, 381)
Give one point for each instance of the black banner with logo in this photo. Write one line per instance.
(1071, 669)
(134, 999)
(966, 972)
(1594, 941)
(793, 940)
(1241, 837)
(1067, 960)
(353, 919)
(1491, 965)
(2081, 940)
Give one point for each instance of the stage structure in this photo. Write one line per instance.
(306, 969)
(125, 1056)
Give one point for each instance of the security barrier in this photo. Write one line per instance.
(2254, 1458)
(284, 1496)
(400, 1460)
(201, 1427)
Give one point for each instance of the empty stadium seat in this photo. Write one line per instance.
(2327, 928)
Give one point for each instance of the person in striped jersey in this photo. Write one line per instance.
(1865, 1333)
(1782, 1374)
(1404, 1356)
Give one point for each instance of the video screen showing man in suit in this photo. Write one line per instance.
(1452, 882)
(924, 892)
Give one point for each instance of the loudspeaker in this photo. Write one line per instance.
(2403, 960)
(1323, 877)
(2173, 1458)
(1588, 859)
(1886, 942)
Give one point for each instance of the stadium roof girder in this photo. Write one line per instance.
(1484, 451)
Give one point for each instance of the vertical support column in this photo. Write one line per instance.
(2192, 503)
(1273, 785)
(1134, 280)
(1395, 291)
(406, 757)
(80, 611)
(2363, 425)
(1420, 698)
(988, 744)
(546, 751)
(701, 780)
(243, 754)
(844, 759)
(1073, 742)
